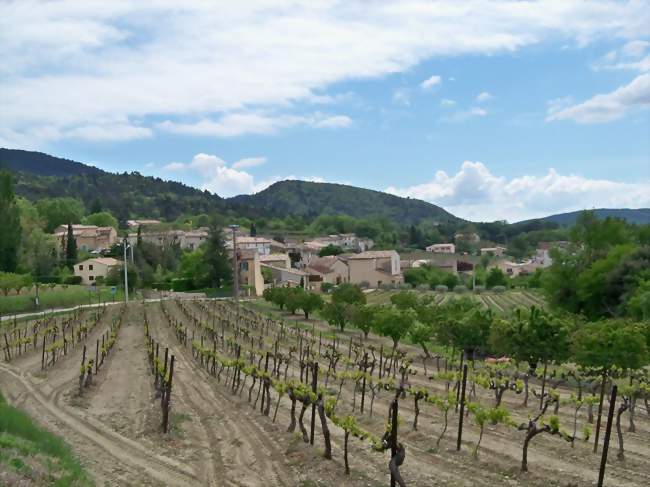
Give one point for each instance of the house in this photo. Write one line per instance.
(91, 269)
(493, 251)
(250, 271)
(276, 260)
(261, 244)
(375, 268)
(445, 248)
(189, 240)
(88, 237)
(330, 269)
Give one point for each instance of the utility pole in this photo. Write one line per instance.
(235, 267)
(126, 278)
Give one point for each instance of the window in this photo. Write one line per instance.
(90, 267)
(81, 268)
(91, 278)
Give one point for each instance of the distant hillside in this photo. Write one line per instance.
(126, 195)
(639, 216)
(302, 198)
(42, 164)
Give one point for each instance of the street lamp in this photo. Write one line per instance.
(235, 267)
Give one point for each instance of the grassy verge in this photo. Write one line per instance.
(34, 456)
(58, 297)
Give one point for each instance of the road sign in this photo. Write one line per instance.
(113, 290)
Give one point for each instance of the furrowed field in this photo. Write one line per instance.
(253, 395)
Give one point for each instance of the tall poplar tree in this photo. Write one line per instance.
(70, 248)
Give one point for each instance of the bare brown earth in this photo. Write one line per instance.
(218, 438)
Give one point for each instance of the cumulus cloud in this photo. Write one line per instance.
(609, 106)
(446, 102)
(431, 82)
(629, 57)
(249, 162)
(229, 180)
(483, 96)
(67, 64)
(463, 115)
(477, 194)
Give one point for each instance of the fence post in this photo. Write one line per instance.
(462, 408)
(608, 432)
(314, 388)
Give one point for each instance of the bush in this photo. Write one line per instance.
(404, 286)
(441, 288)
(326, 287)
(72, 280)
(163, 286)
(499, 289)
(386, 286)
(479, 289)
(181, 284)
(460, 289)
(423, 287)
(48, 279)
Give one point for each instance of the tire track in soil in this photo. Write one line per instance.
(121, 448)
(243, 430)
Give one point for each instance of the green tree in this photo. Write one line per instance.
(496, 277)
(253, 232)
(330, 250)
(310, 302)
(215, 256)
(394, 323)
(60, 211)
(519, 247)
(404, 300)
(96, 206)
(38, 253)
(70, 248)
(101, 219)
(11, 231)
(362, 316)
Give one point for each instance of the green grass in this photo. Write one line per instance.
(58, 297)
(32, 453)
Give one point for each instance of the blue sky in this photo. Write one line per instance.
(493, 110)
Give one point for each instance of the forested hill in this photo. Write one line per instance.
(308, 199)
(640, 216)
(42, 164)
(126, 195)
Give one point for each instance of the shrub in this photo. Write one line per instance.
(460, 289)
(182, 284)
(441, 288)
(48, 279)
(72, 280)
(404, 286)
(479, 289)
(326, 287)
(386, 286)
(499, 289)
(423, 287)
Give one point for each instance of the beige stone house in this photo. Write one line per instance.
(187, 240)
(250, 271)
(89, 270)
(444, 248)
(375, 268)
(330, 269)
(88, 237)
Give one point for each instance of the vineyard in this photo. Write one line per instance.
(210, 392)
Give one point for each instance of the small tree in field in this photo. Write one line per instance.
(495, 415)
(336, 312)
(362, 316)
(404, 300)
(393, 323)
(444, 404)
(309, 302)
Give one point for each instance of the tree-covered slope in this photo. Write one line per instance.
(640, 216)
(310, 199)
(42, 164)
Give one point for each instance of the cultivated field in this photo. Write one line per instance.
(241, 380)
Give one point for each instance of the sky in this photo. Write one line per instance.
(491, 109)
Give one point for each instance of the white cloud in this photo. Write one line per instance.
(609, 106)
(67, 64)
(220, 178)
(249, 162)
(629, 57)
(483, 96)
(446, 102)
(434, 80)
(402, 97)
(463, 115)
(237, 124)
(477, 194)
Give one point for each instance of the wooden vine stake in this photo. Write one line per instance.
(314, 388)
(608, 432)
(462, 408)
(167, 391)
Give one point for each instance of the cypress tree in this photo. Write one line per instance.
(139, 241)
(70, 248)
(11, 232)
(253, 230)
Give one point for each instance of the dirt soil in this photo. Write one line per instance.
(218, 438)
